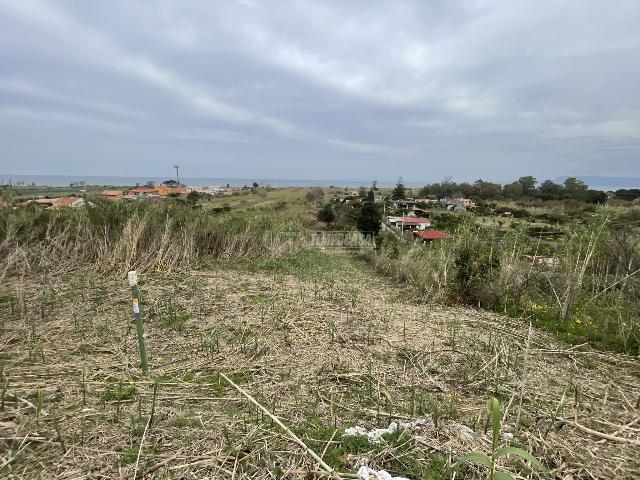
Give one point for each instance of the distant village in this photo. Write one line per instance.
(411, 217)
(168, 189)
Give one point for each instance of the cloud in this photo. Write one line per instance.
(97, 48)
(61, 117)
(370, 148)
(32, 90)
(414, 88)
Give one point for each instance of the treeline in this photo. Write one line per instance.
(524, 187)
(629, 194)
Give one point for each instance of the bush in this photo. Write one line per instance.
(326, 214)
(476, 261)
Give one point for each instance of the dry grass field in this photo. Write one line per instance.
(321, 342)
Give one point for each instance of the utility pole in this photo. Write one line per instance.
(177, 167)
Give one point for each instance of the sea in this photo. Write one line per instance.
(599, 183)
(66, 180)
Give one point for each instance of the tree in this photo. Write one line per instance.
(628, 194)
(595, 196)
(486, 190)
(513, 190)
(528, 185)
(575, 188)
(256, 184)
(170, 183)
(371, 197)
(424, 192)
(374, 186)
(548, 190)
(326, 214)
(399, 192)
(370, 219)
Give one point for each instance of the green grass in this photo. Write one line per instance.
(592, 322)
(130, 455)
(305, 264)
(183, 421)
(118, 391)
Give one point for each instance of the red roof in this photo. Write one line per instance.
(430, 234)
(64, 201)
(415, 220)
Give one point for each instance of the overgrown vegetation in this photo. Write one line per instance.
(143, 235)
(586, 288)
(318, 339)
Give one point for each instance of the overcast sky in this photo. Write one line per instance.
(327, 90)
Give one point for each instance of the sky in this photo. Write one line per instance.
(321, 89)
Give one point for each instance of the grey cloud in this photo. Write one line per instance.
(301, 89)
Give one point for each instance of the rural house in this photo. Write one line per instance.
(410, 223)
(73, 202)
(428, 236)
(112, 195)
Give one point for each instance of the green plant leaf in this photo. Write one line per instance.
(520, 453)
(494, 411)
(477, 457)
(502, 476)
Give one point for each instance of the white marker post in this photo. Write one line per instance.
(135, 299)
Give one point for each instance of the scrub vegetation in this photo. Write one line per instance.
(323, 340)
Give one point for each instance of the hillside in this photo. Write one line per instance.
(321, 341)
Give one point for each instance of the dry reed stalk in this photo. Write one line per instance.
(292, 435)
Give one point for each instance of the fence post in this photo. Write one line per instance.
(135, 299)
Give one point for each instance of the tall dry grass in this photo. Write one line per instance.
(589, 290)
(117, 237)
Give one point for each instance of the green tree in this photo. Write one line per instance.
(513, 190)
(574, 187)
(486, 190)
(549, 190)
(399, 192)
(370, 219)
(595, 196)
(326, 214)
(528, 185)
(371, 197)
(628, 194)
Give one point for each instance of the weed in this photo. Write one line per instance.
(489, 461)
(118, 391)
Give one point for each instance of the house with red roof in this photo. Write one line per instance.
(428, 236)
(73, 202)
